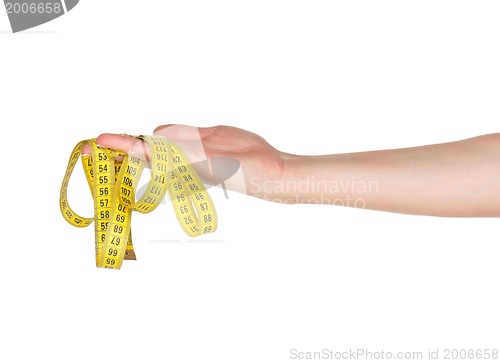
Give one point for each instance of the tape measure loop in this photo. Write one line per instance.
(113, 184)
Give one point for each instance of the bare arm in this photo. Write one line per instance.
(460, 179)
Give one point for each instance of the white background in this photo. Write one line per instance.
(312, 77)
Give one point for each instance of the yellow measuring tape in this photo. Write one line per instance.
(113, 185)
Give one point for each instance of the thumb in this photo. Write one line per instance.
(187, 138)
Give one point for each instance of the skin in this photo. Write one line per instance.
(455, 179)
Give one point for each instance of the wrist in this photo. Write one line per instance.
(292, 180)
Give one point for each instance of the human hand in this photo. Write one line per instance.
(224, 148)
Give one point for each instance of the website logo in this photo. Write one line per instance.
(26, 14)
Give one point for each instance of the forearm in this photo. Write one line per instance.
(453, 179)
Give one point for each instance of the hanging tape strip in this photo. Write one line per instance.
(113, 185)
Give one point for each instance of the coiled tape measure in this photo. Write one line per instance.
(113, 185)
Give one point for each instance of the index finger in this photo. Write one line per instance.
(128, 144)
